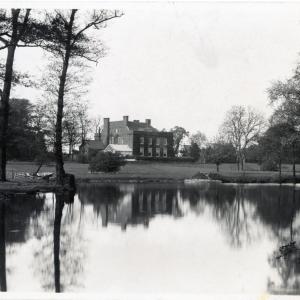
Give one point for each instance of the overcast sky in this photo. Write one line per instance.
(186, 64)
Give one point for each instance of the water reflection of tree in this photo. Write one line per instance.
(21, 210)
(234, 207)
(237, 207)
(59, 205)
(3, 286)
(100, 196)
(16, 213)
(234, 213)
(60, 253)
(228, 205)
(287, 263)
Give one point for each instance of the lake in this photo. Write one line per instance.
(149, 238)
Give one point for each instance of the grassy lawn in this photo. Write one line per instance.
(149, 170)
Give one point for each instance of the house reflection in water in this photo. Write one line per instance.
(130, 204)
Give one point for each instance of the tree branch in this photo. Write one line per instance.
(94, 23)
(4, 41)
(24, 24)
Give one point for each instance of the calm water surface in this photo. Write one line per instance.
(152, 238)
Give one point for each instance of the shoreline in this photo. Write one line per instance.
(19, 187)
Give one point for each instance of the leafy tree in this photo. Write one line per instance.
(17, 29)
(68, 41)
(199, 138)
(220, 152)
(242, 128)
(24, 141)
(179, 133)
(275, 142)
(254, 153)
(285, 96)
(194, 151)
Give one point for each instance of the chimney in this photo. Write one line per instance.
(148, 122)
(125, 119)
(106, 131)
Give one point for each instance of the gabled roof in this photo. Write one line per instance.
(118, 148)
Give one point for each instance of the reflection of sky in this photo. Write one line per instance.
(164, 258)
(191, 254)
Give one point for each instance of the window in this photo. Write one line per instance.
(157, 151)
(157, 141)
(150, 141)
(165, 141)
(149, 151)
(141, 140)
(149, 202)
(165, 152)
(142, 151)
(117, 130)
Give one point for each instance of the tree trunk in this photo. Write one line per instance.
(60, 172)
(294, 163)
(280, 169)
(4, 109)
(59, 205)
(3, 285)
(4, 106)
(218, 167)
(293, 214)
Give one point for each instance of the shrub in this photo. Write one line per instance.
(81, 158)
(269, 165)
(106, 162)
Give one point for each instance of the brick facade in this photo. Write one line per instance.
(141, 137)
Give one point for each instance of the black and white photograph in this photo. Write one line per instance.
(149, 150)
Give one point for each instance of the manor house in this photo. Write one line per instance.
(136, 138)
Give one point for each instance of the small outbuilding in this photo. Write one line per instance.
(123, 150)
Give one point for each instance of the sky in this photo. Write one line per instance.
(185, 64)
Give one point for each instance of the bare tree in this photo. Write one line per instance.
(242, 127)
(97, 124)
(84, 122)
(75, 108)
(69, 41)
(76, 125)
